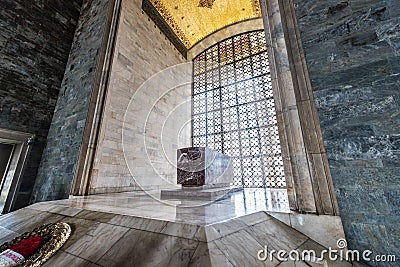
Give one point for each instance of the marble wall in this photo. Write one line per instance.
(147, 109)
(60, 156)
(35, 40)
(309, 183)
(352, 50)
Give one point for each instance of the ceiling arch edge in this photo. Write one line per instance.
(188, 22)
(224, 33)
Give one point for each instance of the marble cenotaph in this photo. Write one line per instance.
(202, 173)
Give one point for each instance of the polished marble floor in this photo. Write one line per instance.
(193, 211)
(138, 229)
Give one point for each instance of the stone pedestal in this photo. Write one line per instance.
(203, 174)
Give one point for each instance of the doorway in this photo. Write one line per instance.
(14, 151)
(6, 151)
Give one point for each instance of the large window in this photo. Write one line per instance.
(234, 110)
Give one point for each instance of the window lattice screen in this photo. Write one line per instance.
(234, 110)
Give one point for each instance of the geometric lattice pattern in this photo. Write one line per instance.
(234, 112)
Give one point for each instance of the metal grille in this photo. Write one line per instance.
(234, 110)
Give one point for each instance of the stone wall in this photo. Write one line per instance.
(35, 40)
(353, 54)
(67, 127)
(154, 124)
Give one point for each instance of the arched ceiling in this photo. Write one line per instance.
(192, 20)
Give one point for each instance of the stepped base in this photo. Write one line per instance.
(201, 193)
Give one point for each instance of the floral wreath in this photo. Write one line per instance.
(36, 247)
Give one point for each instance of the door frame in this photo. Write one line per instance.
(15, 170)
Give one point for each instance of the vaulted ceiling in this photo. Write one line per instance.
(192, 20)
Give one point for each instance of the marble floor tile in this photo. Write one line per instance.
(42, 206)
(79, 227)
(7, 235)
(62, 259)
(222, 229)
(65, 211)
(141, 248)
(97, 216)
(283, 217)
(241, 249)
(218, 258)
(181, 230)
(255, 218)
(208, 254)
(55, 208)
(29, 220)
(145, 224)
(12, 219)
(277, 235)
(201, 234)
(97, 241)
(324, 229)
(201, 256)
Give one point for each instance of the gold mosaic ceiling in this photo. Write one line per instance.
(192, 20)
